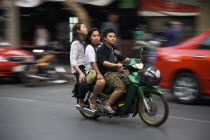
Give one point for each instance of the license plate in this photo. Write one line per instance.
(18, 68)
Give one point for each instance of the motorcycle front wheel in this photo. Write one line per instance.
(26, 79)
(157, 112)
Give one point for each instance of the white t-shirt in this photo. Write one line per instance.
(90, 56)
(42, 37)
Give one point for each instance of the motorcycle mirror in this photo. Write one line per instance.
(117, 53)
(141, 54)
(141, 51)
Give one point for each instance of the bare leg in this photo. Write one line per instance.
(81, 102)
(97, 89)
(115, 95)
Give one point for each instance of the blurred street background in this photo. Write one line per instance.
(175, 35)
(137, 20)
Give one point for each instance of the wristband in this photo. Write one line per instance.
(116, 66)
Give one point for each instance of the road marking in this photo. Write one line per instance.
(18, 99)
(188, 119)
(173, 117)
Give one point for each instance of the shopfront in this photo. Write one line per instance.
(156, 12)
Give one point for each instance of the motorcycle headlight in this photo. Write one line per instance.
(3, 59)
(138, 66)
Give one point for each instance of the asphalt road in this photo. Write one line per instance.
(48, 113)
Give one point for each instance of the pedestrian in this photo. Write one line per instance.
(93, 43)
(178, 28)
(108, 65)
(77, 60)
(112, 22)
(169, 35)
(41, 36)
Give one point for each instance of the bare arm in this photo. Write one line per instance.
(77, 69)
(81, 74)
(109, 64)
(95, 67)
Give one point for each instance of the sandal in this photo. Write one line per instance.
(109, 110)
(81, 103)
(92, 103)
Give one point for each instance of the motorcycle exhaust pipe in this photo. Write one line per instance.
(86, 110)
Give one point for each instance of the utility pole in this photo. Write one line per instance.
(203, 20)
(12, 23)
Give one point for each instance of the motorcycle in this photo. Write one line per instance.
(35, 73)
(150, 47)
(140, 97)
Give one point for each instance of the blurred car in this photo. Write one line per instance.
(11, 57)
(185, 68)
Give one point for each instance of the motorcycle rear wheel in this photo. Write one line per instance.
(88, 116)
(158, 112)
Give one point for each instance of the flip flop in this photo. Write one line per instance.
(92, 104)
(109, 110)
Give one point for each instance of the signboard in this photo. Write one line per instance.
(163, 5)
(187, 2)
(166, 8)
(34, 3)
(127, 4)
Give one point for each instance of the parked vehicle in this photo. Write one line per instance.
(11, 57)
(140, 98)
(185, 68)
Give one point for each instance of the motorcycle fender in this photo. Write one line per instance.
(152, 90)
(142, 90)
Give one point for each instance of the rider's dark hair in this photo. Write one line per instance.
(106, 32)
(90, 32)
(75, 34)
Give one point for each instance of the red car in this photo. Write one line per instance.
(185, 68)
(11, 57)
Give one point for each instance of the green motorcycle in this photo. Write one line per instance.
(140, 98)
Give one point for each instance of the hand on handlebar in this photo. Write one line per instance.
(127, 59)
(120, 65)
(124, 62)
